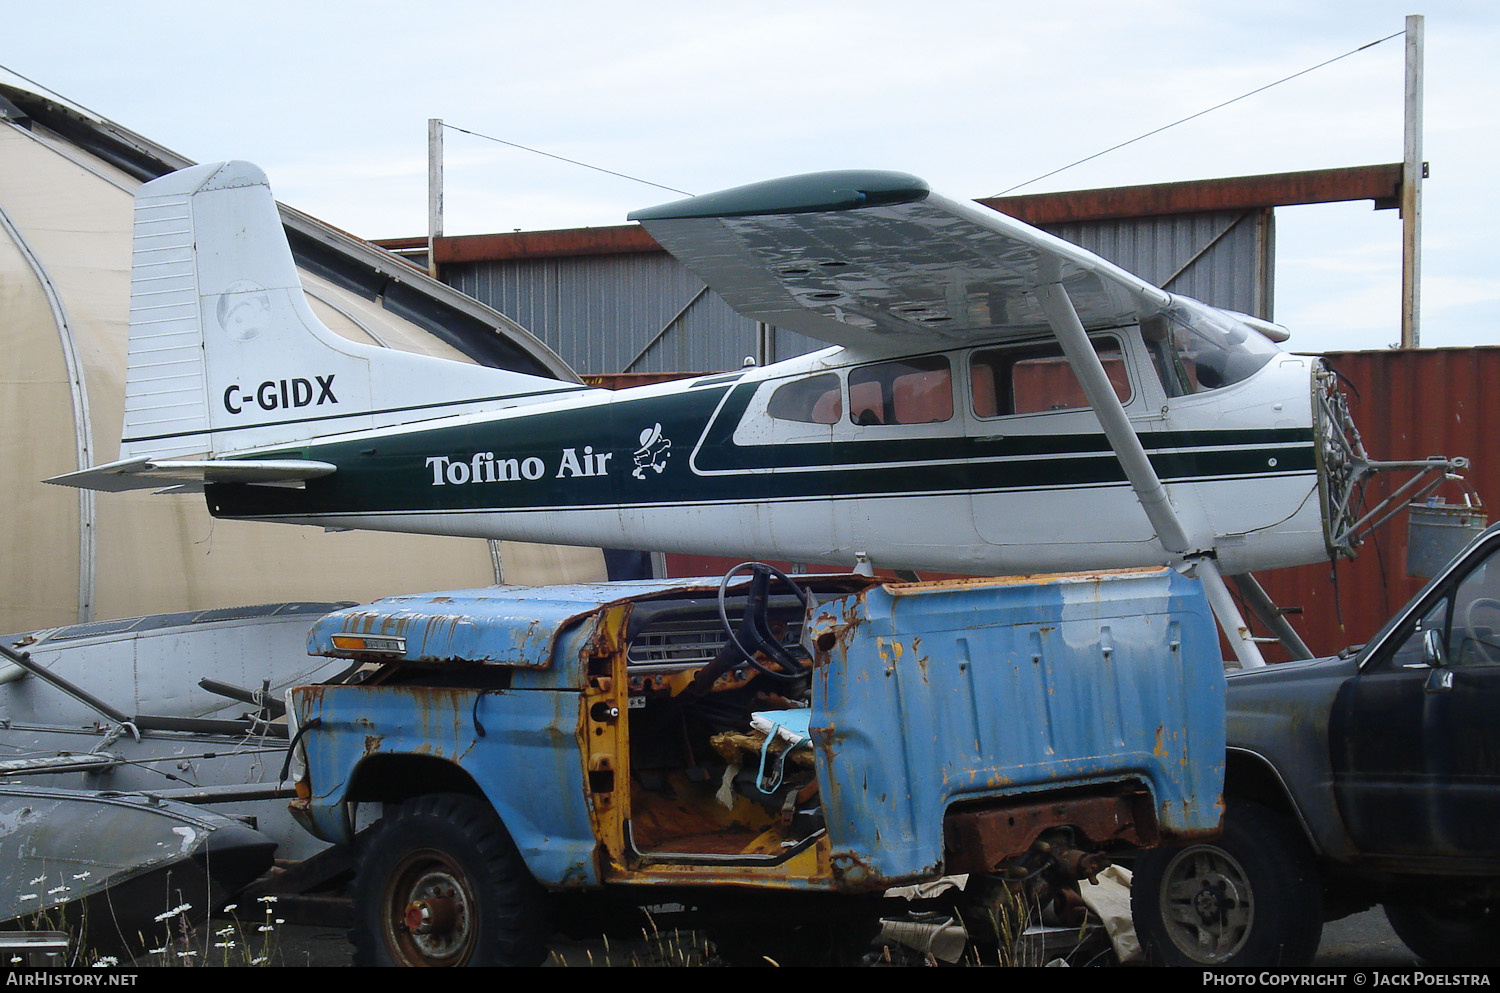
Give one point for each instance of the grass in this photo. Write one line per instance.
(656, 948)
(1006, 946)
(230, 943)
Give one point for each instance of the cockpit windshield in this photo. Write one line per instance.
(1197, 348)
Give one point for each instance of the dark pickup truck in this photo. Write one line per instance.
(1370, 777)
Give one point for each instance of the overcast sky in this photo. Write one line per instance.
(332, 100)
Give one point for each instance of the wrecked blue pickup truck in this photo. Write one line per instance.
(770, 755)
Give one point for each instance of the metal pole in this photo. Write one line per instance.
(83, 696)
(765, 344)
(1411, 191)
(434, 191)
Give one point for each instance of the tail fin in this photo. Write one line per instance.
(226, 356)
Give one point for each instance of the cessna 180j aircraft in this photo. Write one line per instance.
(995, 400)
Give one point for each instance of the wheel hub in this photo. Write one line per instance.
(434, 915)
(1208, 904)
(430, 916)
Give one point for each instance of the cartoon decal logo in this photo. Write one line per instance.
(653, 452)
(244, 309)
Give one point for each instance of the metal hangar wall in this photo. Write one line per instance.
(610, 301)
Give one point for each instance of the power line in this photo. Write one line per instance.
(1200, 113)
(560, 158)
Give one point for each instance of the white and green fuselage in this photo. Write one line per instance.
(951, 427)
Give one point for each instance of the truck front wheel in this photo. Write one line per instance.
(440, 883)
(1250, 898)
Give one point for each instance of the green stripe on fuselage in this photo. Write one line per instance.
(588, 457)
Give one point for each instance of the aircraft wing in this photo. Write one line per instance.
(183, 475)
(876, 259)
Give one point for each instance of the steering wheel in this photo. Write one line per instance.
(753, 635)
(1470, 628)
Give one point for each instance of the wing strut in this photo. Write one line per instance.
(1272, 616)
(1143, 478)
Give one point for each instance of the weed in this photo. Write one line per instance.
(233, 943)
(656, 948)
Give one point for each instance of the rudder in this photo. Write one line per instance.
(226, 355)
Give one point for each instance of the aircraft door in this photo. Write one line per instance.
(1043, 474)
(803, 415)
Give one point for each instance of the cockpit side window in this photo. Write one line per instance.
(814, 400)
(903, 391)
(1196, 348)
(1029, 379)
(1166, 357)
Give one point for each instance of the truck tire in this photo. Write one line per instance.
(1250, 898)
(1457, 937)
(439, 882)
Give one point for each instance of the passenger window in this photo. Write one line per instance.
(905, 391)
(815, 400)
(1029, 379)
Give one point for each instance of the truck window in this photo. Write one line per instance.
(1474, 632)
(1468, 616)
(904, 391)
(1029, 379)
(1409, 652)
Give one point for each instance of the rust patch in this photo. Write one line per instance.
(825, 740)
(979, 840)
(837, 635)
(1030, 579)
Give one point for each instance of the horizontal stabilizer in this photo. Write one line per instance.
(143, 474)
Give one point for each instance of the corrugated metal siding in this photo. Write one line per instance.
(607, 313)
(1220, 258)
(602, 312)
(1408, 404)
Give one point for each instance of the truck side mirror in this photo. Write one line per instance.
(1433, 651)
